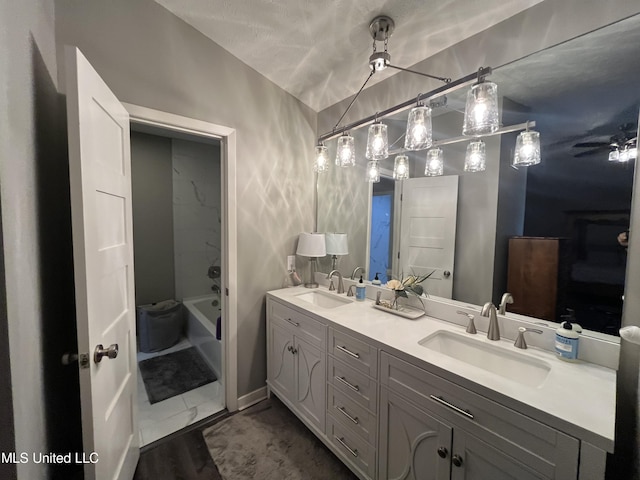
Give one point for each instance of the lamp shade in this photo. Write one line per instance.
(419, 131)
(377, 142)
(311, 245)
(337, 243)
(346, 151)
(475, 159)
(435, 163)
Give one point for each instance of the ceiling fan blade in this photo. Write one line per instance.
(599, 151)
(591, 144)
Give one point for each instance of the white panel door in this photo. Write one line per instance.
(428, 231)
(100, 177)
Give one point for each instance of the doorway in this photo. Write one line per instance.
(199, 184)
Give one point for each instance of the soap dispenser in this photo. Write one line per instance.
(360, 290)
(567, 338)
(376, 280)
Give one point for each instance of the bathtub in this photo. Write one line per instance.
(201, 329)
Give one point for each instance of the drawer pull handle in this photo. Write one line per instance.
(295, 324)
(342, 442)
(347, 351)
(343, 380)
(344, 412)
(466, 413)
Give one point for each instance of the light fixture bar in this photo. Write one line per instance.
(435, 77)
(500, 131)
(437, 92)
(352, 102)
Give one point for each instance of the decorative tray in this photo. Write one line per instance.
(403, 311)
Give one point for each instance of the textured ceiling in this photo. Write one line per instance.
(318, 50)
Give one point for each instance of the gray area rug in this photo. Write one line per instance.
(268, 442)
(169, 375)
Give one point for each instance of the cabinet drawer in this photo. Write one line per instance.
(351, 414)
(353, 383)
(302, 325)
(535, 444)
(354, 352)
(351, 447)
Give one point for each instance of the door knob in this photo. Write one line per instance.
(442, 452)
(100, 351)
(457, 460)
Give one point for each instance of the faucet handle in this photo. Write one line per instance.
(332, 287)
(471, 327)
(520, 341)
(350, 291)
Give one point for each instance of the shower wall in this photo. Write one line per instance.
(197, 229)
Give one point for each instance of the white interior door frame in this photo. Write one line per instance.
(177, 123)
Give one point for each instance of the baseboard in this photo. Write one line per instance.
(252, 398)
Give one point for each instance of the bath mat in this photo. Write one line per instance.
(166, 376)
(268, 442)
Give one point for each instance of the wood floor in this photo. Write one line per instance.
(183, 456)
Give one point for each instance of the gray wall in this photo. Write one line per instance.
(34, 187)
(149, 57)
(152, 187)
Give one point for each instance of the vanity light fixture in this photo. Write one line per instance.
(633, 153)
(401, 167)
(321, 161)
(434, 166)
(624, 154)
(346, 151)
(377, 142)
(337, 244)
(481, 115)
(527, 150)
(373, 171)
(312, 245)
(614, 155)
(475, 160)
(419, 131)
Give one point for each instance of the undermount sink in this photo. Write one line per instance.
(504, 363)
(322, 299)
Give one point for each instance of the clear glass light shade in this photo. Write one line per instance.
(624, 155)
(481, 110)
(614, 155)
(633, 153)
(419, 132)
(373, 171)
(435, 163)
(346, 151)
(475, 160)
(377, 142)
(527, 149)
(401, 167)
(321, 162)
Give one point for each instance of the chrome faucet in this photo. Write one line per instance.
(355, 271)
(506, 298)
(489, 310)
(340, 283)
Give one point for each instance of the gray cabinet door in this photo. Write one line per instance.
(310, 382)
(473, 459)
(413, 444)
(281, 359)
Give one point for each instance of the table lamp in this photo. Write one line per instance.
(337, 244)
(312, 245)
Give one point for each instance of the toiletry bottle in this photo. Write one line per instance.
(567, 338)
(360, 290)
(376, 280)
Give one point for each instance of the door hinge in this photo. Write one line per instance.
(226, 291)
(398, 255)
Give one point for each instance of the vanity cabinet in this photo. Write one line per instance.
(432, 428)
(352, 386)
(296, 362)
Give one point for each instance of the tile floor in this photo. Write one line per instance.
(163, 418)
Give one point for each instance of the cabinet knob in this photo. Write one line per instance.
(457, 460)
(443, 452)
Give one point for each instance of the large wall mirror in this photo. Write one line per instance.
(583, 95)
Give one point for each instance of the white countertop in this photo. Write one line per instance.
(577, 398)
